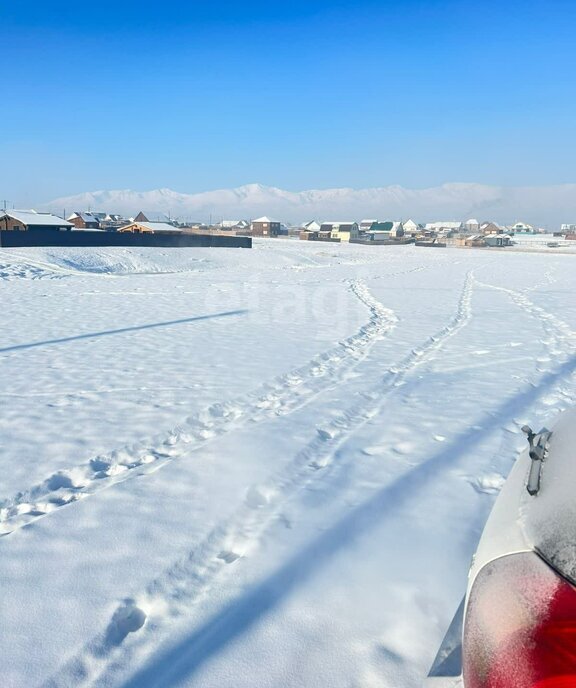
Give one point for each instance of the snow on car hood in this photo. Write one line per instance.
(550, 516)
(545, 522)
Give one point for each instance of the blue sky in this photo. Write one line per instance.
(301, 94)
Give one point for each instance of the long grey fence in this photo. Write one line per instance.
(46, 237)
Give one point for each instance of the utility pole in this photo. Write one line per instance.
(5, 222)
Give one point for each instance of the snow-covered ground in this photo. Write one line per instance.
(224, 467)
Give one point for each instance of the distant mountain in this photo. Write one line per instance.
(546, 206)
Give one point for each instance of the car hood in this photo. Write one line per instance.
(550, 516)
(544, 522)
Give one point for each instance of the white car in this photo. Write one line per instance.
(516, 627)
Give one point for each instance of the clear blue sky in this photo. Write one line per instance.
(300, 94)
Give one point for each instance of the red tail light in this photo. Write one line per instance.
(520, 627)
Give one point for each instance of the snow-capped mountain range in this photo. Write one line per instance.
(546, 206)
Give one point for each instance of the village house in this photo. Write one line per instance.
(84, 220)
(265, 227)
(522, 227)
(481, 240)
(23, 220)
(473, 241)
(498, 240)
(306, 235)
(393, 229)
(150, 228)
(471, 225)
(311, 226)
(344, 231)
(491, 228)
(366, 225)
(317, 235)
(150, 216)
(389, 229)
(411, 227)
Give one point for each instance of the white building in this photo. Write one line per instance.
(397, 230)
(410, 226)
(521, 227)
(471, 225)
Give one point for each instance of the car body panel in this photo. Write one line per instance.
(544, 522)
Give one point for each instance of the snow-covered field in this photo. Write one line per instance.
(269, 468)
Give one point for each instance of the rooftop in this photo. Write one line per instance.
(31, 217)
(156, 226)
(87, 217)
(264, 219)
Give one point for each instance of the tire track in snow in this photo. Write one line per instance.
(558, 334)
(188, 581)
(560, 337)
(559, 341)
(282, 396)
(185, 586)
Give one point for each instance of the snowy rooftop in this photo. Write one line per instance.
(154, 216)
(157, 226)
(31, 217)
(87, 217)
(264, 219)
